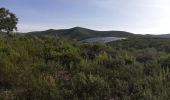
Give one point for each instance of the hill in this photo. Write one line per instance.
(80, 33)
(164, 35)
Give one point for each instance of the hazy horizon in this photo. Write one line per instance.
(136, 16)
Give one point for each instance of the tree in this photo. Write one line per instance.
(8, 21)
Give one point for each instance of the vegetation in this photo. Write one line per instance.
(8, 20)
(53, 68)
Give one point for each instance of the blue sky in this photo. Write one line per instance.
(137, 16)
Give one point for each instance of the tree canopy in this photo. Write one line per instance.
(8, 20)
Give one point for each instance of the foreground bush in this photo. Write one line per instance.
(52, 68)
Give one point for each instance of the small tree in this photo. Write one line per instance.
(8, 21)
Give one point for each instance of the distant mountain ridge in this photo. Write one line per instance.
(164, 35)
(83, 33)
(80, 33)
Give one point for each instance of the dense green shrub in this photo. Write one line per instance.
(48, 67)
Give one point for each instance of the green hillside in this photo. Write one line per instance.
(80, 33)
(83, 33)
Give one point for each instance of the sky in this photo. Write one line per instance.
(136, 16)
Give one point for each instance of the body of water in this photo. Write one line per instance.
(102, 39)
